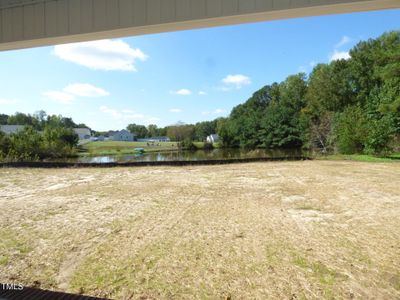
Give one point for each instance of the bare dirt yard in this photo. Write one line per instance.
(284, 230)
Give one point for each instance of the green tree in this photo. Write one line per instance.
(3, 119)
(204, 129)
(139, 130)
(281, 121)
(153, 130)
(351, 130)
(181, 133)
(25, 145)
(4, 145)
(20, 119)
(59, 141)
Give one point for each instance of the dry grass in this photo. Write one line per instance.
(299, 230)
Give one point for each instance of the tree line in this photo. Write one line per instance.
(42, 137)
(346, 106)
(178, 132)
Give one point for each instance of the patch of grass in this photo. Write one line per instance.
(203, 232)
(200, 145)
(301, 262)
(359, 157)
(3, 260)
(357, 254)
(272, 254)
(108, 275)
(395, 281)
(12, 242)
(395, 156)
(48, 214)
(322, 273)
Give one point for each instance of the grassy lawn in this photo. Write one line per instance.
(286, 230)
(360, 157)
(118, 148)
(200, 145)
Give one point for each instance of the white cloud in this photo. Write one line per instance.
(128, 111)
(152, 120)
(5, 101)
(182, 92)
(135, 116)
(69, 93)
(217, 111)
(127, 115)
(345, 40)
(110, 111)
(101, 55)
(202, 93)
(175, 110)
(59, 96)
(337, 55)
(237, 81)
(85, 90)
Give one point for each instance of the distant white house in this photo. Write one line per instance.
(83, 133)
(213, 138)
(157, 139)
(9, 129)
(123, 135)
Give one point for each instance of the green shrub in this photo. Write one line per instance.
(30, 145)
(380, 134)
(25, 145)
(187, 144)
(58, 142)
(351, 131)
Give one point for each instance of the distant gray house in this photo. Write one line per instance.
(123, 135)
(97, 138)
(157, 139)
(213, 138)
(9, 129)
(83, 133)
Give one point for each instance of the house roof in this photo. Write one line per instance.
(123, 131)
(9, 129)
(82, 131)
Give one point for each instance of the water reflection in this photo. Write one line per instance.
(215, 154)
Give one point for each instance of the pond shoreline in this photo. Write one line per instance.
(55, 165)
(125, 152)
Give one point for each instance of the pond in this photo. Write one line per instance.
(187, 155)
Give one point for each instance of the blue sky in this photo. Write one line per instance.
(187, 76)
